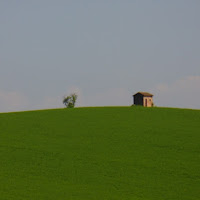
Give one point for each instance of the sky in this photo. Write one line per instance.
(105, 51)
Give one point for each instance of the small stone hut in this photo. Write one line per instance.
(143, 99)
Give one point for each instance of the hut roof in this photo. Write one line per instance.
(146, 94)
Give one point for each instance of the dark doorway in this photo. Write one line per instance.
(146, 102)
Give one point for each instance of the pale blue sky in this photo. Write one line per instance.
(103, 50)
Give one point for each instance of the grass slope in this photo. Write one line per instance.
(100, 153)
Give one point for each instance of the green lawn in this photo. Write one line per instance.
(125, 153)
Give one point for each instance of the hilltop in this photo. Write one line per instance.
(100, 153)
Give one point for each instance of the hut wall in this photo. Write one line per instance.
(138, 99)
(148, 101)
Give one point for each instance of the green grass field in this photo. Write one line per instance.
(124, 153)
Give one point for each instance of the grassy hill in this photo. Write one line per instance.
(125, 153)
